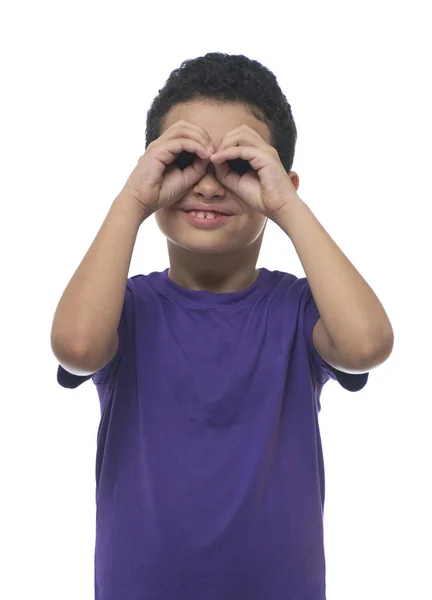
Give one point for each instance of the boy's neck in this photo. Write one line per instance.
(221, 277)
(218, 272)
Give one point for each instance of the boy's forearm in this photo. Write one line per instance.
(353, 315)
(90, 308)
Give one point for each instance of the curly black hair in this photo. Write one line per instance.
(229, 78)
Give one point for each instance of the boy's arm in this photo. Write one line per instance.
(84, 331)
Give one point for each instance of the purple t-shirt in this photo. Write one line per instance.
(209, 467)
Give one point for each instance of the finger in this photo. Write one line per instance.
(186, 144)
(244, 152)
(194, 173)
(185, 129)
(243, 129)
(241, 137)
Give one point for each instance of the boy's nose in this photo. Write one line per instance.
(209, 186)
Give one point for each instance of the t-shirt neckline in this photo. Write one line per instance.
(170, 288)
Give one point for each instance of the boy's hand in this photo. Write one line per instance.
(268, 188)
(154, 182)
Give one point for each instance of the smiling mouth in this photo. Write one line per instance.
(207, 214)
(206, 218)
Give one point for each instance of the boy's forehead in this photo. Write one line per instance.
(217, 119)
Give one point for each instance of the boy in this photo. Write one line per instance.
(209, 468)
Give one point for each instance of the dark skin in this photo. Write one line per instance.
(223, 259)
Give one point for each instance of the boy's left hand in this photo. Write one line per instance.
(268, 188)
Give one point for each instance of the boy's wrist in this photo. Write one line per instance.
(129, 203)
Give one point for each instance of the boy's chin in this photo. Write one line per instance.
(229, 237)
(207, 246)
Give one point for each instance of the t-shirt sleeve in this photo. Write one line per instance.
(104, 375)
(322, 371)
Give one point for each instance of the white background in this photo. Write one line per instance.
(78, 78)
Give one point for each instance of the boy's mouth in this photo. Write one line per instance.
(206, 218)
(220, 208)
(207, 214)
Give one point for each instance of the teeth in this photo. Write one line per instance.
(203, 215)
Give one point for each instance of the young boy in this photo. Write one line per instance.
(209, 467)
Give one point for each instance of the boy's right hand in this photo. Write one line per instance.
(155, 183)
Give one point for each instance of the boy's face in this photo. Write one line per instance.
(246, 225)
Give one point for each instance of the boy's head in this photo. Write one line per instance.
(219, 93)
